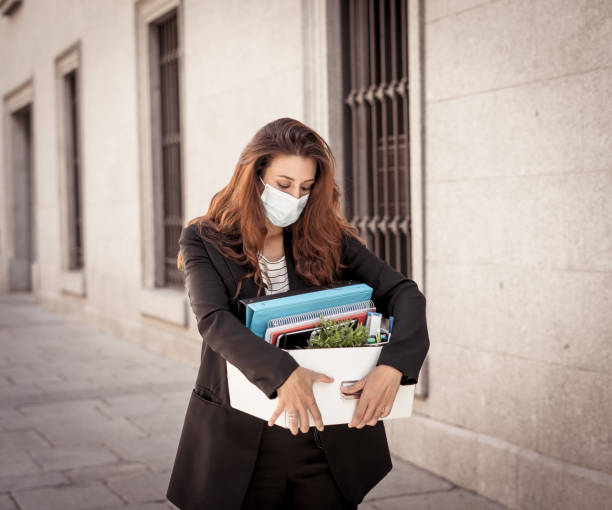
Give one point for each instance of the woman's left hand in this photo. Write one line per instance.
(379, 388)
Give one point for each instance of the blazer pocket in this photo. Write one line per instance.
(217, 448)
(207, 395)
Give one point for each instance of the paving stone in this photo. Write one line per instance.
(16, 421)
(109, 378)
(70, 497)
(366, 505)
(16, 463)
(75, 369)
(62, 432)
(162, 463)
(63, 408)
(7, 503)
(134, 405)
(4, 412)
(11, 396)
(12, 483)
(29, 374)
(167, 374)
(455, 499)
(405, 478)
(70, 387)
(142, 487)
(147, 450)
(20, 440)
(147, 506)
(178, 400)
(75, 421)
(156, 423)
(68, 457)
(104, 472)
(50, 411)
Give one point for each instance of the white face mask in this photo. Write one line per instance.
(282, 209)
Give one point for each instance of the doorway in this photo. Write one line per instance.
(22, 200)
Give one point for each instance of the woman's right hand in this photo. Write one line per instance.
(295, 394)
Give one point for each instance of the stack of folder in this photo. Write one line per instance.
(287, 320)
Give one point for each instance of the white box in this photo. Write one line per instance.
(341, 363)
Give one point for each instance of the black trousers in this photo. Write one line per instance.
(292, 473)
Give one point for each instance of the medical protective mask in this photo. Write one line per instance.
(282, 208)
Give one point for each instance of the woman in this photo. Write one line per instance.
(275, 227)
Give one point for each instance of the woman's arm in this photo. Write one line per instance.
(397, 296)
(400, 360)
(263, 364)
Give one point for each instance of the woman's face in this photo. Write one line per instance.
(292, 174)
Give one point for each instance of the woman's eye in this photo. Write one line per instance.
(285, 187)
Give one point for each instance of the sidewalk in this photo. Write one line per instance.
(88, 420)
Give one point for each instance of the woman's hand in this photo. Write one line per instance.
(379, 388)
(295, 394)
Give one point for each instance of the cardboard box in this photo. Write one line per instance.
(341, 363)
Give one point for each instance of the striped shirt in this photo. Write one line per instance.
(274, 274)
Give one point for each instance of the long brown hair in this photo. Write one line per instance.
(236, 217)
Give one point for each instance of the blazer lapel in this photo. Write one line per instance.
(249, 288)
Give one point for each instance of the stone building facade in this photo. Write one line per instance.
(510, 197)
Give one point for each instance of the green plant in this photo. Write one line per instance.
(338, 334)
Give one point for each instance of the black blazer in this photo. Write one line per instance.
(218, 444)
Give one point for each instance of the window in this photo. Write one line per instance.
(73, 172)
(160, 128)
(170, 139)
(20, 180)
(376, 126)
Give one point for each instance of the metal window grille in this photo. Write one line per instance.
(167, 33)
(375, 42)
(75, 218)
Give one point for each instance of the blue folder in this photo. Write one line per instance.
(259, 313)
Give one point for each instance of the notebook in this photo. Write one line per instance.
(259, 312)
(306, 321)
(244, 303)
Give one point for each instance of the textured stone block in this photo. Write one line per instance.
(142, 487)
(436, 9)
(503, 44)
(68, 457)
(540, 483)
(14, 463)
(497, 471)
(134, 405)
(147, 450)
(456, 499)
(104, 472)
(170, 421)
(405, 478)
(27, 481)
(71, 497)
(6, 503)
(64, 432)
(535, 129)
(20, 440)
(574, 414)
(441, 449)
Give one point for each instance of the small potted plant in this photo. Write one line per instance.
(343, 333)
